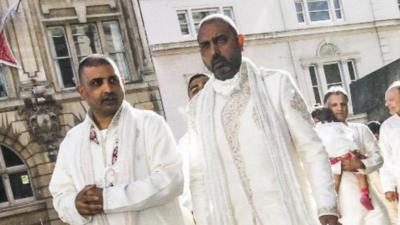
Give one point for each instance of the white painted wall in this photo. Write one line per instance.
(255, 16)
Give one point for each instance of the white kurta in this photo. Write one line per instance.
(353, 213)
(267, 197)
(148, 171)
(338, 140)
(254, 196)
(185, 198)
(389, 140)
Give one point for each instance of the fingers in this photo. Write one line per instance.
(89, 200)
(89, 209)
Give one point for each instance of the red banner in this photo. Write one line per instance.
(6, 55)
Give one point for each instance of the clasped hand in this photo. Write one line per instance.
(352, 165)
(89, 200)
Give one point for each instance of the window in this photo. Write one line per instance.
(398, 3)
(318, 10)
(189, 20)
(71, 43)
(352, 71)
(15, 184)
(332, 75)
(199, 14)
(315, 83)
(184, 22)
(299, 11)
(325, 75)
(338, 10)
(228, 11)
(3, 90)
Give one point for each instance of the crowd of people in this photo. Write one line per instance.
(253, 153)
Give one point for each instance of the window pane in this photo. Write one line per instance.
(318, 16)
(299, 6)
(332, 74)
(228, 11)
(336, 4)
(321, 5)
(20, 185)
(318, 10)
(198, 15)
(313, 75)
(3, 196)
(10, 158)
(316, 95)
(338, 14)
(338, 11)
(113, 37)
(351, 70)
(3, 91)
(59, 47)
(183, 22)
(299, 11)
(86, 39)
(122, 64)
(65, 69)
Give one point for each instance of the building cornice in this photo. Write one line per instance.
(269, 37)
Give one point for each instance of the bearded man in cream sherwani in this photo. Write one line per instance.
(351, 209)
(254, 150)
(120, 165)
(389, 140)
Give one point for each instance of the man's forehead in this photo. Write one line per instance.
(393, 92)
(337, 97)
(214, 27)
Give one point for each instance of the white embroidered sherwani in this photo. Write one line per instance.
(389, 140)
(352, 212)
(237, 180)
(140, 183)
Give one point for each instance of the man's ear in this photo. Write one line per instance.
(241, 41)
(80, 90)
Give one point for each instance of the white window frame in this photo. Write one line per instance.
(4, 175)
(3, 82)
(188, 24)
(317, 85)
(133, 77)
(192, 26)
(321, 77)
(331, 12)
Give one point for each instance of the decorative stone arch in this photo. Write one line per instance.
(30, 208)
(33, 156)
(327, 49)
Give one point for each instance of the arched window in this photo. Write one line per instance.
(330, 68)
(15, 184)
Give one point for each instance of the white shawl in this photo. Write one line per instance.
(289, 180)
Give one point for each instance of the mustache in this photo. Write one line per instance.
(109, 97)
(218, 59)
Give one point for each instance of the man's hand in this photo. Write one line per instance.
(391, 196)
(352, 165)
(329, 220)
(89, 201)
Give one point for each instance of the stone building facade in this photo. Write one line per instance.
(320, 42)
(38, 102)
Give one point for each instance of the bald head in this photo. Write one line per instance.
(222, 18)
(392, 98)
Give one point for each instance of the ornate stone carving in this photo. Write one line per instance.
(328, 49)
(80, 6)
(41, 112)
